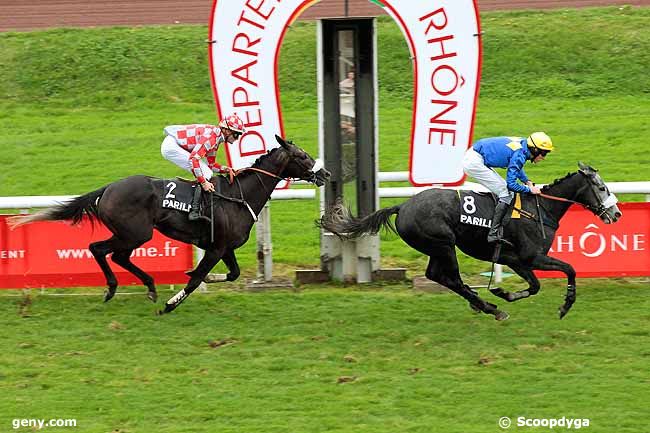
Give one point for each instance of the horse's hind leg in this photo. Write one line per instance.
(209, 260)
(230, 260)
(123, 258)
(443, 269)
(99, 251)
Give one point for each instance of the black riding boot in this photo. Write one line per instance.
(496, 230)
(195, 213)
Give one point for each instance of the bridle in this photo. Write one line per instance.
(311, 178)
(232, 177)
(598, 210)
(312, 172)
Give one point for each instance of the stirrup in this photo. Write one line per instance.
(200, 218)
(501, 241)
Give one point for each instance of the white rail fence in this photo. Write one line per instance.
(264, 245)
(28, 202)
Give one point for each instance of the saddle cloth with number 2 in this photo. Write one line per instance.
(177, 194)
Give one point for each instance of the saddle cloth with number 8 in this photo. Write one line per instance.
(476, 208)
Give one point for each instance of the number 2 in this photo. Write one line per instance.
(171, 186)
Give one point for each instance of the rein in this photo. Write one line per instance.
(596, 210)
(233, 173)
(259, 170)
(566, 200)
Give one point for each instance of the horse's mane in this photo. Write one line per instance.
(258, 162)
(262, 158)
(558, 181)
(244, 173)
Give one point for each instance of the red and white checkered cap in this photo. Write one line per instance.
(234, 123)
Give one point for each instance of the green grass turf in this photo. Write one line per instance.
(245, 362)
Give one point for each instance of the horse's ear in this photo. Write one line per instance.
(585, 168)
(281, 141)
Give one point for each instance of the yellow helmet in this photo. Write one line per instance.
(540, 141)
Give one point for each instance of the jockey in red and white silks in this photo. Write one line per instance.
(188, 145)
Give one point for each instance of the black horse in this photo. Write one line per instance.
(130, 208)
(430, 223)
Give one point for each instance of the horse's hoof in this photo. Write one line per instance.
(165, 310)
(168, 309)
(563, 312)
(108, 295)
(501, 315)
(153, 296)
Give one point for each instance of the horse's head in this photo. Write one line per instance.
(596, 196)
(301, 165)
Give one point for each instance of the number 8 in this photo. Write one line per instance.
(468, 204)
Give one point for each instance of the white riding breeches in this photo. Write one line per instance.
(473, 165)
(171, 151)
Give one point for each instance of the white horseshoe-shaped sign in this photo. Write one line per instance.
(443, 37)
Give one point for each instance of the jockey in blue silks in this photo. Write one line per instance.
(510, 153)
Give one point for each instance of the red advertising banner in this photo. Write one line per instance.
(596, 249)
(55, 254)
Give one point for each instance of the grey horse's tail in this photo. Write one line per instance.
(340, 221)
(72, 210)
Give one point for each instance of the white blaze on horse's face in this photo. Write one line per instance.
(610, 201)
(612, 212)
(319, 173)
(608, 211)
(318, 164)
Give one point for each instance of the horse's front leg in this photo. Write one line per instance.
(209, 260)
(231, 262)
(527, 274)
(546, 263)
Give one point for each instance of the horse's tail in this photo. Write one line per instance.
(342, 223)
(71, 210)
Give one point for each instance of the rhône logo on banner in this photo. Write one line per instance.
(444, 39)
(596, 249)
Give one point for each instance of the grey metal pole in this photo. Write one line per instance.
(264, 245)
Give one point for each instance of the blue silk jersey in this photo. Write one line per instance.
(506, 152)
